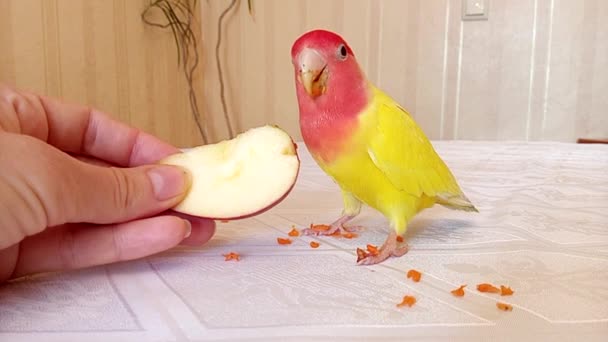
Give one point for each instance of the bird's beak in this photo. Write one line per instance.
(313, 72)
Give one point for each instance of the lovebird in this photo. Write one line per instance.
(367, 143)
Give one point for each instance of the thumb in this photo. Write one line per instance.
(45, 187)
(109, 194)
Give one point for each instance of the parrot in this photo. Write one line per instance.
(367, 143)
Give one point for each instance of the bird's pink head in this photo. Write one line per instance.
(331, 87)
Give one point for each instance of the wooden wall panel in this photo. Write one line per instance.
(533, 71)
(100, 53)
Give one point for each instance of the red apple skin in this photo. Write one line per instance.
(266, 208)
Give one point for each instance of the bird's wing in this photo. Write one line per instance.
(399, 148)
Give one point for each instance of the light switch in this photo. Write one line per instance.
(475, 10)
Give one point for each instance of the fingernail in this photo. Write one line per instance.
(167, 181)
(188, 228)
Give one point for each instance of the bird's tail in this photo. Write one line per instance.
(456, 202)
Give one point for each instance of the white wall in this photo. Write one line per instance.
(536, 70)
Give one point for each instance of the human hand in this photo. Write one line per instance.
(79, 189)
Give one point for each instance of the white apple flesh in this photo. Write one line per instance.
(240, 177)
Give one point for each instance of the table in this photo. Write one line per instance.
(542, 229)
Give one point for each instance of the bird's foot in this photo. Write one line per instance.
(388, 249)
(327, 230)
(336, 228)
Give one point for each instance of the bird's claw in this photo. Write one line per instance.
(388, 249)
(364, 258)
(332, 230)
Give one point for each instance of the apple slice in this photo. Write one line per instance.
(240, 177)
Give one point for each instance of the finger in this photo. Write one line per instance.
(80, 130)
(8, 260)
(58, 189)
(65, 190)
(92, 161)
(106, 195)
(200, 235)
(202, 229)
(77, 246)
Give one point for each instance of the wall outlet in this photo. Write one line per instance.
(475, 9)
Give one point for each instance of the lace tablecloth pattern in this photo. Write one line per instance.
(542, 229)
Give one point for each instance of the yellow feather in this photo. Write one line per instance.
(391, 166)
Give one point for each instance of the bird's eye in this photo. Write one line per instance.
(342, 53)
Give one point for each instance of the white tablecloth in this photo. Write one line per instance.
(542, 230)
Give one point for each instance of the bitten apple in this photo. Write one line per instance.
(240, 177)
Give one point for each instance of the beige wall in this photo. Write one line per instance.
(98, 52)
(535, 70)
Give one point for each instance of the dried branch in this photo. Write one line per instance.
(180, 16)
